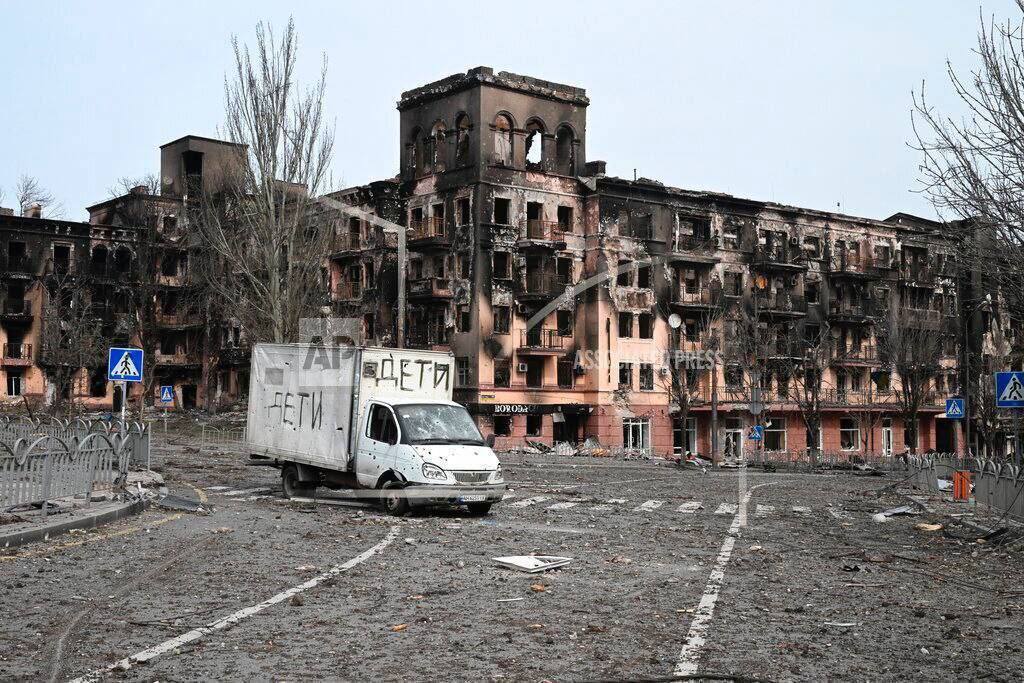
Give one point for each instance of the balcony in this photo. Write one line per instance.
(694, 249)
(783, 306)
(177, 359)
(19, 266)
(779, 258)
(856, 355)
(344, 242)
(547, 234)
(541, 285)
(15, 310)
(426, 338)
(179, 319)
(852, 266)
(918, 274)
(701, 300)
(234, 354)
(847, 311)
(429, 232)
(17, 355)
(347, 291)
(540, 341)
(430, 287)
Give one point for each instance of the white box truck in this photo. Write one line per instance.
(368, 418)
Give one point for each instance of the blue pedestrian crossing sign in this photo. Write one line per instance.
(1010, 389)
(124, 365)
(756, 433)
(167, 394)
(954, 408)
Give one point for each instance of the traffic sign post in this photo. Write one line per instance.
(124, 365)
(954, 409)
(756, 433)
(1010, 394)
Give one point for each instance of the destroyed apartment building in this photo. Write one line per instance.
(71, 290)
(552, 283)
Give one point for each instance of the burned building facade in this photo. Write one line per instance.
(559, 289)
(73, 289)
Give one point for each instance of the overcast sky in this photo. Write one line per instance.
(796, 102)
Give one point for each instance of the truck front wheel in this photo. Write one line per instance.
(293, 488)
(480, 509)
(393, 498)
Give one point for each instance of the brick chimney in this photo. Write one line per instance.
(35, 211)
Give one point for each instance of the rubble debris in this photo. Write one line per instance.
(398, 628)
(925, 526)
(532, 564)
(901, 510)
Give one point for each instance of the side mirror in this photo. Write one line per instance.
(489, 440)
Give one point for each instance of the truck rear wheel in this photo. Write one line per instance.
(393, 498)
(293, 488)
(479, 508)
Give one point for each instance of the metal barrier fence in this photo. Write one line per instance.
(135, 434)
(204, 436)
(52, 467)
(997, 485)
(807, 461)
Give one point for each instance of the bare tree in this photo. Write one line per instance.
(972, 165)
(912, 348)
(266, 244)
(31, 194)
(805, 366)
(71, 339)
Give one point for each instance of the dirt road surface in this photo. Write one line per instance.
(808, 587)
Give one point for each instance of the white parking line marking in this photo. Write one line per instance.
(689, 655)
(726, 509)
(217, 488)
(601, 507)
(528, 501)
(649, 505)
(690, 508)
(616, 501)
(508, 495)
(562, 506)
(764, 510)
(232, 619)
(801, 510)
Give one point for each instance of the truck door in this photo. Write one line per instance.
(379, 434)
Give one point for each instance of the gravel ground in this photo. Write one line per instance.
(821, 592)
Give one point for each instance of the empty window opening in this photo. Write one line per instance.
(61, 258)
(462, 211)
(625, 375)
(502, 372)
(502, 425)
(502, 319)
(534, 424)
(646, 325)
(502, 140)
(565, 160)
(625, 325)
(646, 377)
(565, 223)
(501, 265)
(462, 128)
(535, 372)
(643, 277)
(565, 323)
(534, 143)
(501, 211)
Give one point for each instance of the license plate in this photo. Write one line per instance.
(473, 499)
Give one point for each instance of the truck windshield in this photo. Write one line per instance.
(432, 423)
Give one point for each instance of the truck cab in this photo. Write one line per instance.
(426, 453)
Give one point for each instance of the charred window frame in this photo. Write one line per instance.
(502, 372)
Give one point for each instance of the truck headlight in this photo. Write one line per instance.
(497, 477)
(433, 472)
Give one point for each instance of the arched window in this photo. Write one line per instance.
(502, 140)
(98, 261)
(565, 152)
(436, 147)
(122, 259)
(534, 143)
(462, 126)
(415, 159)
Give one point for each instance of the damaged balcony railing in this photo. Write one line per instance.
(545, 283)
(348, 290)
(17, 307)
(538, 338)
(428, 228)
(550, 231)
(18, 352)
